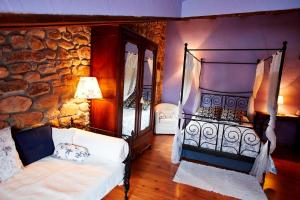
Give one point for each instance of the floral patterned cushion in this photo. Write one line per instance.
(210, 112)
(72, 152)
(10, 163)
(232, 115)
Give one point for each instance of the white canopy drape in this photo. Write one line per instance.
(263, 161)
(150, 65)
(188, 77)
(197, 71)
(192, 72)
(257, 82)
(130, 74)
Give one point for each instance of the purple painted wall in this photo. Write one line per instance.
(262, 31)
(165, 8)
(216, 7)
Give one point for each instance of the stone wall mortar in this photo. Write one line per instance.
(39, 71)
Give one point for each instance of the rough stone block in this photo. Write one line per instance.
(50, 77)
(37, 33)
(54, 34)
(81, 40)
(49, 54)
(19, 68)
(67, 36)
(52, 113)
(14, 104)
(45, 102)
(3, 72)
(63, 64)
(51, 44)
(37, 89)
(32, 77)
(74, 29)
(27, 119)
(38, 56)
(65, 44)
(46, 68)
(63, 54)
(84, 107)
(18, 41)
(69, 109)
(35, 44)
(64, 71)
(13, 86)
(81, 70)
(84, 52)
(65, 121)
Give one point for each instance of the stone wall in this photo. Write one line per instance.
(39, 71)
(156, 32)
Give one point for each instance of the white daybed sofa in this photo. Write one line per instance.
(53, 179)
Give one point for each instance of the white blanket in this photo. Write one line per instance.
(229, 135)
(54, 179)
(129, 120)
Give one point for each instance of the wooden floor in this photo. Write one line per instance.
(152, 175)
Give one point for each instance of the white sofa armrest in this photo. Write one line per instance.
(102, 148)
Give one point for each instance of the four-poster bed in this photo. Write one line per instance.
(221, 130)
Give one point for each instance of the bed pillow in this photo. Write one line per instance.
(34, 144)
(71, 152)
(9, 157)
(232, 115)
(210, 112)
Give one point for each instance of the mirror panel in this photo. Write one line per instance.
(146, 98)
(129, 93)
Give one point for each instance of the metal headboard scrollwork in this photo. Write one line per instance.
(228, 100)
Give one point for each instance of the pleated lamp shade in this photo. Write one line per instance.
(88, 88)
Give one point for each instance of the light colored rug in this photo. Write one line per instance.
(225, 182)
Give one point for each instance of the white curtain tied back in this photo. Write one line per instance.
(192, 72)
(150, 65)
(197, 72)
(263, 160)
(188, 77)
(130, 74)
(257, 83)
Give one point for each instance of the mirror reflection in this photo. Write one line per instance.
(147, 89)
(129, 94)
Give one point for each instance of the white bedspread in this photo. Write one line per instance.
(212, 137)
(54, 179)
(129, 120)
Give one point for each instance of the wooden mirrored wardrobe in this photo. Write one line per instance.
(124, 64)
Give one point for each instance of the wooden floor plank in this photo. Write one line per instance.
(152, 175)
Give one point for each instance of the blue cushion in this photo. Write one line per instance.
(34, 144)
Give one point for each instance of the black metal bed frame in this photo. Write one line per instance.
(222, 137)
(230, 133)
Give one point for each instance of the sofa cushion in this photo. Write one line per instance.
(62, 135)
(72, 152)
(34, 144)
(51, 178)
(9, 157)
